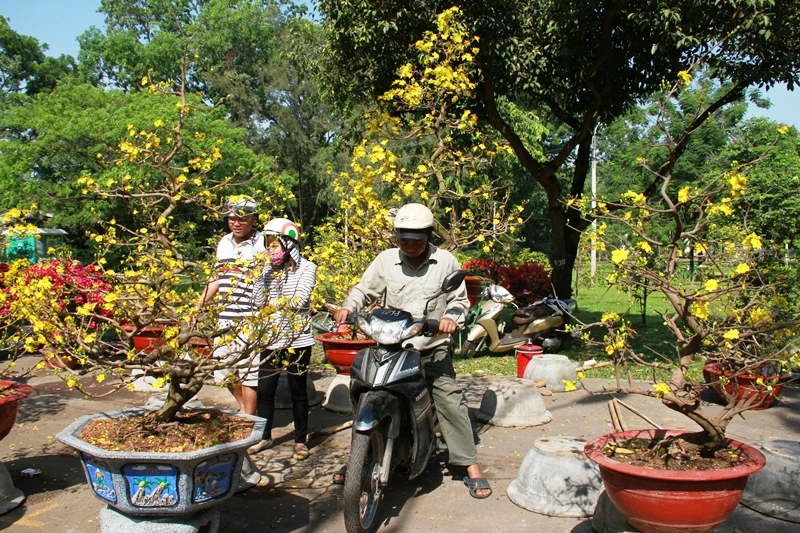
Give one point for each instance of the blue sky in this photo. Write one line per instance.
(59, 22)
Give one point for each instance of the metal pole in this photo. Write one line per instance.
(593, 270)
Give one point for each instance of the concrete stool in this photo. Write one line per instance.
(557, 479)
(519, 404)
(112, 521)
(774, 490)
(10, 496)
(337, 399)
(283, 398)
(552, 368)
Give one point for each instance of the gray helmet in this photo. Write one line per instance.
(239, 206)
(551, 344)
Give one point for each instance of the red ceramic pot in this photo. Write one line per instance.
(148, 339)
(201, 346)
(660, 501)
(9, 403)
(342, 352)
(60, 362)
(474, 287)
(740, 386)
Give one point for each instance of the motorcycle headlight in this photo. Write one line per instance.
(388, 332)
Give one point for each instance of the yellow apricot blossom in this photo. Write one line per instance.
(661, 389)
(619, 256)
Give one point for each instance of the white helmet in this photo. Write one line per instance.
(284, 227)
(287, 233)
(413, 221)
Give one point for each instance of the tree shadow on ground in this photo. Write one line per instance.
(38, 406)
(58, 472)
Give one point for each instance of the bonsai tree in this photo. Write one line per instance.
(166, 179)
(692, 243)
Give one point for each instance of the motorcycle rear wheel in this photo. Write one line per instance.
(362, 482)
(470, 348)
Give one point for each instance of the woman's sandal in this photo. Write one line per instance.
(260, 446)
(300, 452)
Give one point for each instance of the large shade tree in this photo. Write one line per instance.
(258, 57)
(580, 63)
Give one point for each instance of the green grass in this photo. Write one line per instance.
(653, 340)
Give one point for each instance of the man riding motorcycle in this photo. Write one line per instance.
(407, 277)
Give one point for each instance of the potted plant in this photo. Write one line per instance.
(732, 309)
(341, 348)
(161, 187)
(479, 272)
(760, 385)
(11, 394)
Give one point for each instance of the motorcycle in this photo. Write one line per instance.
(537, 323)
(395, 420)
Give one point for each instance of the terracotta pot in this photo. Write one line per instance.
(9, 404)
(342, 352)
(148, 338)
(60, 362)
(474, 287)
(741, 386)
(660, 501)
(201, 346)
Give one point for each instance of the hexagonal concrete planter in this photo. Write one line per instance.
(159, 484)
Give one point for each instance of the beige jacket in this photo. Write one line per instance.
(410, 289)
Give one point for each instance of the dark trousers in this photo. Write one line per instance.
(268, 375)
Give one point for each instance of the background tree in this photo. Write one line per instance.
(24, 67)
(258, 57)
(52, 141)
(421, 145)
(585, 63)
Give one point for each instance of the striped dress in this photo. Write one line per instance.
(296, 286)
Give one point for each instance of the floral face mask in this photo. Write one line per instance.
(277, 256)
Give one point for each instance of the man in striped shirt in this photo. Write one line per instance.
(237, 254)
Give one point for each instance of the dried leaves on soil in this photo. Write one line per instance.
(192, 430)
(671, 454)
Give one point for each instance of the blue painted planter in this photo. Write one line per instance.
(160, 484)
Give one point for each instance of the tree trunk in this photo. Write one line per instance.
(177, 396)
(564, 252)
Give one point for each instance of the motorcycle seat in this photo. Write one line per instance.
(531, 313)
(543, 324)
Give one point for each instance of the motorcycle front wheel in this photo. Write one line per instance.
(362, 482)
(470, 348)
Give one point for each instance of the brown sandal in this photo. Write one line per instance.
(300, 452)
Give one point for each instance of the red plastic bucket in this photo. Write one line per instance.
(524, 355)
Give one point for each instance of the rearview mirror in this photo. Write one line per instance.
(453, 280)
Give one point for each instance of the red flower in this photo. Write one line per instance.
(485, 268)
(74, 284)
(527, 282)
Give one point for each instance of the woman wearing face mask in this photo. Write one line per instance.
(288, 280)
